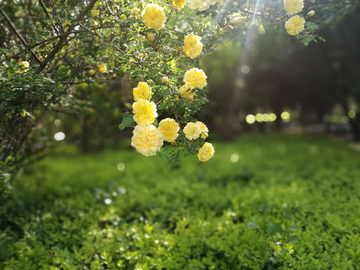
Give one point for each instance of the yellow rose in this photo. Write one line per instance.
(150, 37)
(135, 10)
(199, 5)
(193, 46)
(94, 13)
(66, 24)
(24, 65)
(147, 139)
(311, 13)
(102, 68)
(144, 112)
(195, 78)
(165, 80)
(206, 152)
(178, 3)
(123, 16)
(295, 25)
(91, 72)
(154, 16)
(94, 23)
(204, 130)
(169, 129)
(185, 92)
(192, 131)
(293, 6)
(143, 91)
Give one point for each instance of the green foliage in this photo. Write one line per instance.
(287, 201)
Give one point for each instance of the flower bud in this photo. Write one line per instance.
(123, 16)
(150, 37)
(235, 20)
(165, 80)
(149, 81)
(311, 13)
(91, 72)
(128, 106)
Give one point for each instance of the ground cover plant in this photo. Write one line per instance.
(263, 202)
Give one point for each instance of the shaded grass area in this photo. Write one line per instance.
(288, 202)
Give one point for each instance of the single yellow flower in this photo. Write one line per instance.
(295, 25)
(195, 78)
(169, 129)
(102, 68)
(311, 13)
(193, 46)
(186, 92)
(206, 152)
(67, 24)
(24, 66)
(37, 24)
(192, 131)
(91, 72)
(94, 12)
(165, 80)
(178, 3)
(200, 5)
(60, 63)
(293, 6)
(150, 37)
(154, 17)
(204, 130)
(147, 139)
(123, 16)
(143, 91)
(149, 81)
(135, 10)
(94, 23)
(144, 112)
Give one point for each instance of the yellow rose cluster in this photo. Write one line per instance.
(193, 131)
(193, 46)
(201, 5)
(154, 17)
(24, 65)
(295, 25)
(194, 78)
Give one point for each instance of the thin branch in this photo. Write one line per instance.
(17, 33)
(108, 8)
(50, 39)
(57, 47)
(48, 15)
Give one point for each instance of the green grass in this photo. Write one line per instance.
(289, 201)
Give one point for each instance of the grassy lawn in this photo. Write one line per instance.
(286, 202)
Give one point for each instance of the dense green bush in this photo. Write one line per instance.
(287, 202)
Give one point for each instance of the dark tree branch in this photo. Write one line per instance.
(18, 34)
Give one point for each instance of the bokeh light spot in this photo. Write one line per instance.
(272, 117)
(352, 114)
(250, 119)
(59, 136)
(107, 201)
(57, 122)
(121, 166)
(234, 158)
(345, 119)
(259, 117)
(266, 117)
(285, 116)
(245, 69)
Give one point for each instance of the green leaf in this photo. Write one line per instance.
(252, 225)
(293, 239)
(294, 228)
(127, 121)
(273, 228)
